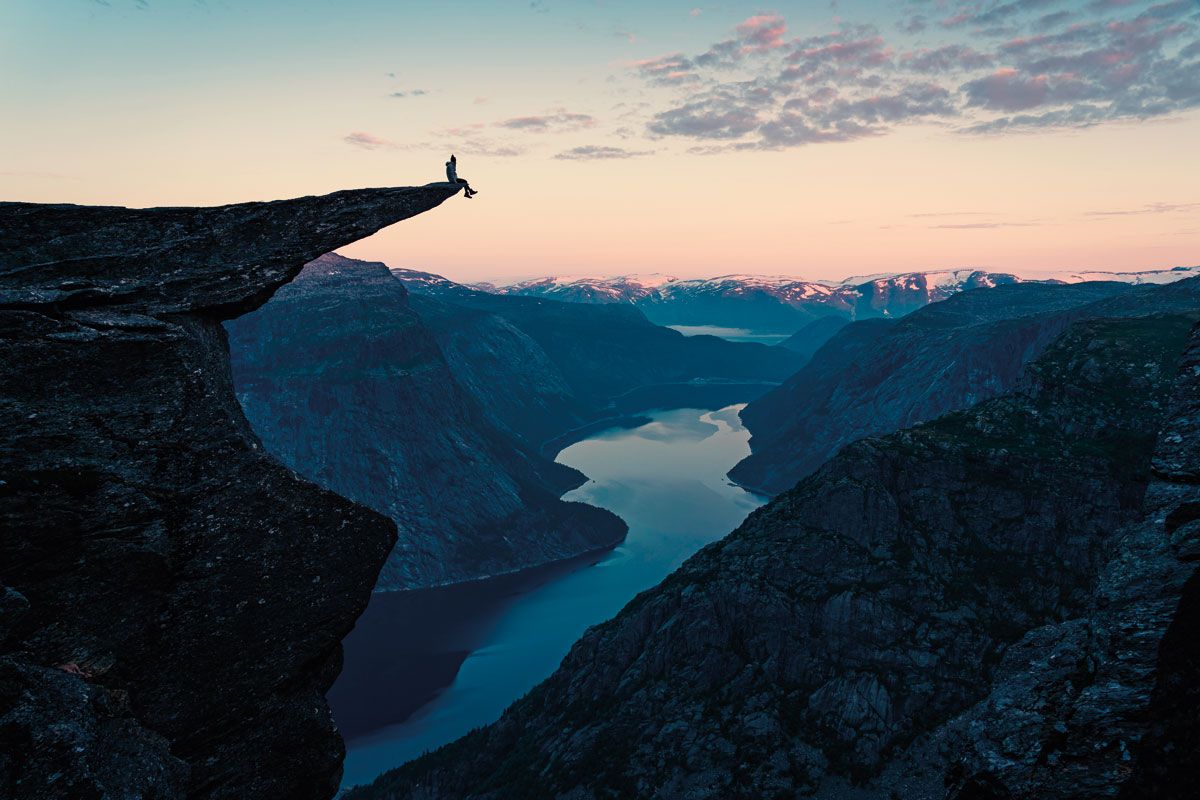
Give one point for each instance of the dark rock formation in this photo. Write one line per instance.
(173, 598)
(977, 607)
(878, 376)
(344, 383)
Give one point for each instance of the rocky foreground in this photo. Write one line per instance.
(1001, 603)
(172, 600)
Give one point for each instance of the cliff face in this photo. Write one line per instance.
(877, 376)
(348, 386)
(508, 373)
(173, 599)
(980, 606)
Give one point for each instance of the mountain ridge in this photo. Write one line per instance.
(784, 304)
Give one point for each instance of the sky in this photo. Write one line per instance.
(815, 139)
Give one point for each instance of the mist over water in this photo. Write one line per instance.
(423, 668)
(732, 334)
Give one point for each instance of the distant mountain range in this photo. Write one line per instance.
(785, 304)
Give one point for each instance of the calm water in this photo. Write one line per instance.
(732, 334)
(447, 660)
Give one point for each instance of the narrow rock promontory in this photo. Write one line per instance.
(172, 599)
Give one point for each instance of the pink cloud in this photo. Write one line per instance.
(869, 52)
(762, 32)
(1008, 89)
(367, 141)
(542, 123)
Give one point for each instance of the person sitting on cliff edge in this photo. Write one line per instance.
(452, 177)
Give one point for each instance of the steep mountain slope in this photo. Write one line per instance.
(813, 336)
(604, 351)
(875, 624)
(344, 383)
(758, 302)
(507, 372)
(172, 599)
(878, 376)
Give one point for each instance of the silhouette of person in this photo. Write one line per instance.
(452, 177)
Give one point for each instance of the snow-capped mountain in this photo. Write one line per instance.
(1157, 276)
(758, 302)
(585, 289)
(783, 304)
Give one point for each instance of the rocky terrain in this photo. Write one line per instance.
(877, 376)
(346, 384)
(172, 599)
(984, 606)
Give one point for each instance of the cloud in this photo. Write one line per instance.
(991, 14)
(599, 152)
(942, 60)
(488, 149)
(671, 69)
(1152, 208)
(846, 54)
(1008, 90)
(1007, 67)
(761, 33)
(716, 115)
(556, 122)
(913, 24)
(368, 141)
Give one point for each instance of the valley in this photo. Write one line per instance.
(444, 661)
(623, 417)
(869, 630)
(505, 520)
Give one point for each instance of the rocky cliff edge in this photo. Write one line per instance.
(172, 600)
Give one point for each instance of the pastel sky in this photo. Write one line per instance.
(814, 139)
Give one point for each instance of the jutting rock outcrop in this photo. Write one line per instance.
(172, 600)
